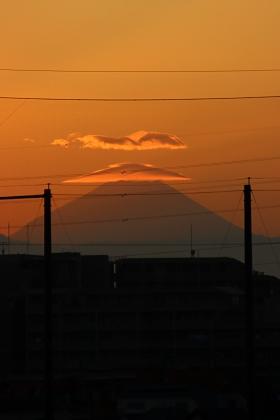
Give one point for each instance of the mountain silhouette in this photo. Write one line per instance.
(144, 219)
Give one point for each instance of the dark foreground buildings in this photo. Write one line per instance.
(147, 338)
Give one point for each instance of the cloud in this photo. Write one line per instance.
(128, 172)
(28, 140)
(140, 140)
(61, 142)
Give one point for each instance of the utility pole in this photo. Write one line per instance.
(49, 411)
(250, 294)
(48, 292)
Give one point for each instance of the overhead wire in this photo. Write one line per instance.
(140, 244)
(208, 183)
(61, 223)
(150, 217)
(266, 233)
(198, 165)
(135, 218)
(270, 190)
(14, 111)
(111, 185)
(154, 99)
(142, 194)
(154, 183)
(28, 147)
(30, 226)
(151, 99)
(79, 70)
(225, 162)
(66, 231)
(18, 201)
(232, 131)
(230, 226)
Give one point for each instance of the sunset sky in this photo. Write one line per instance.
(140, 35)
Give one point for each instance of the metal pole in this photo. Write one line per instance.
(48, 306)
(250, 293)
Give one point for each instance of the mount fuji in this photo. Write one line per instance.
(145, 219)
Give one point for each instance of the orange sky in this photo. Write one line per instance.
(109, 34)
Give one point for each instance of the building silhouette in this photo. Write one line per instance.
(134, 323)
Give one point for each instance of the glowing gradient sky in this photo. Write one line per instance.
(158, 34)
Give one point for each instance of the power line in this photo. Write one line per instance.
(66, 70)
(224, 181)
(89, 196)
(30, 226)
(232, 131)
(41, 177)
(66, 232)
(5, 119)
(137, 218)
(198, 165)
(230, 225)
(266, 233)
(133, 244)
(226, 162)
(122, 220)
(268, 190)
(24, 185)
(36, 146)
(186, 99)
(207, 183)
(18, 201)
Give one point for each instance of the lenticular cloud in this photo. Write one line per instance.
(140, 140)
(128, 172)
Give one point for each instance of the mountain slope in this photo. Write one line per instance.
(122, 224)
